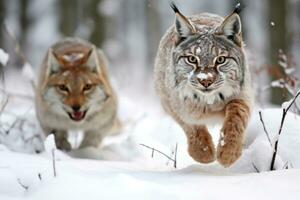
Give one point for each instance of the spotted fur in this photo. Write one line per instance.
(200, 72)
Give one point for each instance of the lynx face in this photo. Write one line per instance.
(75, 87)
(209, 59)
(206, 63)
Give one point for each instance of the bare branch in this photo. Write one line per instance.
(53, 162)
(18, 49)
(293, 101)
(3, 105)
(162, 153)
(256, 169)
(265, 130)
(13, 94)
(153, 149)
(286, 165)
(16, 43)
(22, 185)
(284, 113)
(175, 156)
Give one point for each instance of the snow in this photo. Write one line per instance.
(286, 104)
(4, 57)
(50, 144)
(122, 168)
(272, 23)
(202, 75)
(27, 71)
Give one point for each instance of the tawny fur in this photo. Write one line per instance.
(192, 107)
(74, 63)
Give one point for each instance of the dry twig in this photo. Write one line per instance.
(53, 162)
(284, 113)
(174, 160)
(18, 49)
(22, 185)
(256, 169)
(265, 130)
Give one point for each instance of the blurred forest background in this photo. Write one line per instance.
(129, 31)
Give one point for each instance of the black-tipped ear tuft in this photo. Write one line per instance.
(238, 8)
(174, 7)
(183, 26)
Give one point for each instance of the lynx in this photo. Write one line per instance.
(201, 74)
(74, 93)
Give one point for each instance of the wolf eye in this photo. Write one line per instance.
(220, 60)
(192, 59)
(63, 88)
(87, 87)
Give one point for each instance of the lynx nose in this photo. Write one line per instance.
(76, 108)
(206, 77)
(206, 82)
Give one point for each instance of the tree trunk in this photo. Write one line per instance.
(68, 19)
(2, 18)
(98, 32)
(278, 40)
(25, 22)
(153, 31)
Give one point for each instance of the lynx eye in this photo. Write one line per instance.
(87, 87)
(63, 88)
(220, 60)
(191, 59)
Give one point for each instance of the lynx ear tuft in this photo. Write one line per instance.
(238, 8)
(52, 63)
(232, 28)
(93, 60)
(183, 26)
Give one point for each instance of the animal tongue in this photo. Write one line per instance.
(77, 116)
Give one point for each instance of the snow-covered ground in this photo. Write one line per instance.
(123, 168)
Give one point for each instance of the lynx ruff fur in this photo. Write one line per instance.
(74, 93)
(201, 74)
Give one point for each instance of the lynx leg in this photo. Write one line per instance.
(61, 140)
(237, 113)
(200, 144)
(91, 138)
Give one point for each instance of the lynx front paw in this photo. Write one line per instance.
(228, 152)
(201, 147)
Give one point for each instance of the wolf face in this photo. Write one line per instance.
(74, 93)
(75, 87)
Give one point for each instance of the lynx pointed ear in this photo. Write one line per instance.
(232, 28)
(52, 63)
(93, 60)
(183, 26)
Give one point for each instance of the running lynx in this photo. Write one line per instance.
(74, 93)
(200, 74)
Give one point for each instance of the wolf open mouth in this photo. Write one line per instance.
(77, 116)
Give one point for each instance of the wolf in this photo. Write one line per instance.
(74, 93)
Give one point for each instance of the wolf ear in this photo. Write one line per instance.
(93, 60)
(232, 28)
(52, 63)
(183, 26)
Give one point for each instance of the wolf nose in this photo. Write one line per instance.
(76, 108)
(206, 82)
